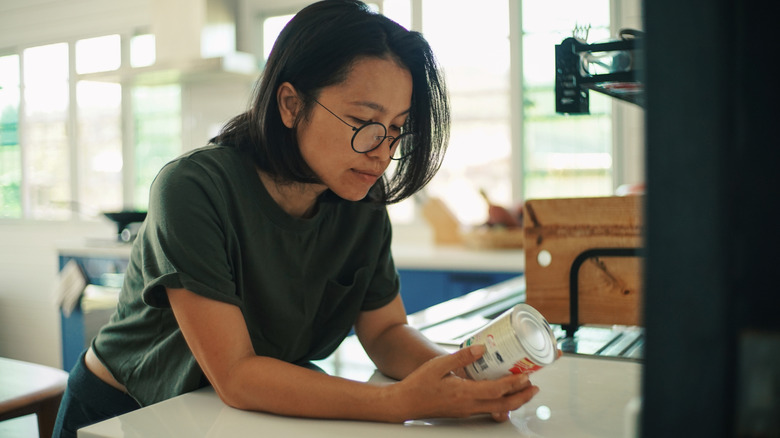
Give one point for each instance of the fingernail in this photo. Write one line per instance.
(525, 377)
(477, 350)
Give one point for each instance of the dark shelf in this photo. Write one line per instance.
(620, 65)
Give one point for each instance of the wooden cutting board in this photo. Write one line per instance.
(557, 231)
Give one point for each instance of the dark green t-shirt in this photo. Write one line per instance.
(213, 228)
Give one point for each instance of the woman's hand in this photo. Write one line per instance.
(434, 390)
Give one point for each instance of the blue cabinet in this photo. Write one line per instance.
(421, 289)
(80, 327)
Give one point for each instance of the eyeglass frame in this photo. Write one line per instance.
(357, 130)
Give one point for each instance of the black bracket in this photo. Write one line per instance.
(572, 83)
(574, 324)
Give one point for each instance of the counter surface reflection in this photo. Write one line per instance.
(580, 396)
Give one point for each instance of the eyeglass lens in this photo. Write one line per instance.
(370, 136)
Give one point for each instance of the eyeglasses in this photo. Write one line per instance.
(371, 135)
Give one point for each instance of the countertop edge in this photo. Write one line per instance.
(406, 255)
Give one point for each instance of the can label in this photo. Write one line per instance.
(520, 341)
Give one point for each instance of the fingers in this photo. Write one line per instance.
(487, 389)
(500, 417)
(524, 396)
(495, 389)
(458, 360)
(468, 355)
(506, 394)
(499, 408)
(439, 393)
(517, 382)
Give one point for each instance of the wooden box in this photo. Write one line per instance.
(602, 239)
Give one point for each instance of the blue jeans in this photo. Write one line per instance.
(88, 400)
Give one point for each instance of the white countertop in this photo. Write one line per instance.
(580, 397)
(440, 257)
(407, 255)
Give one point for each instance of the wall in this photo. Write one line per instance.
(32, 22)
(29, 319)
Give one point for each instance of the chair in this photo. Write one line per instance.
(28, 388)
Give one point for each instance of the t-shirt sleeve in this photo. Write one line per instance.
(385, 284)
(184, 236)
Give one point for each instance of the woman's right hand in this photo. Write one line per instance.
(435, 391)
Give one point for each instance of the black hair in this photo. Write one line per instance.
(316, 49)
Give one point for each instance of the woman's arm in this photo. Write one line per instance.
(218, 337)
(396, 348)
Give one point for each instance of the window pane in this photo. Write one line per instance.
(476, 65)
(272, 27)
(100, 146)
(563, 15)
(157, 113)
(399, 11)
(98, 54)
(562, 155)
(45, 139)
(142, 50)
(217, 39)
(10, 153)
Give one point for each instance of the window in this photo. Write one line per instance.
(98, 54)
(99, 135)
(476, 65)
(46, 193)
(562, 156)
(66, 149)
(558, 155)
(473, 47)
(10, 152)
(157, 120)
(142, 50)
(64, 156)
(272, 27)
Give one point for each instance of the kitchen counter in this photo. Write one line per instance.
(455, 257)
(407, 254)
(580, 396)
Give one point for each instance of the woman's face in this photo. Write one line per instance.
(376, 90)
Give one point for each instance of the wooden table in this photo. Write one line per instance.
(28, 388)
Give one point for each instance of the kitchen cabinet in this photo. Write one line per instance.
(80, 326)
(421, 289)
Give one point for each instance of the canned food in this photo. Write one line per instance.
(520, 341)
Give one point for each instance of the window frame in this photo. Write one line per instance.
(122, 76)
(627, 122)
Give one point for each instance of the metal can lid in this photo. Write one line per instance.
(534, 333)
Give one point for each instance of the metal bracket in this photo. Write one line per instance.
(573, 324)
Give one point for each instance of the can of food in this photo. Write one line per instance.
(520, 341)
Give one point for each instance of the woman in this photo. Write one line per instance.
(262, 250)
